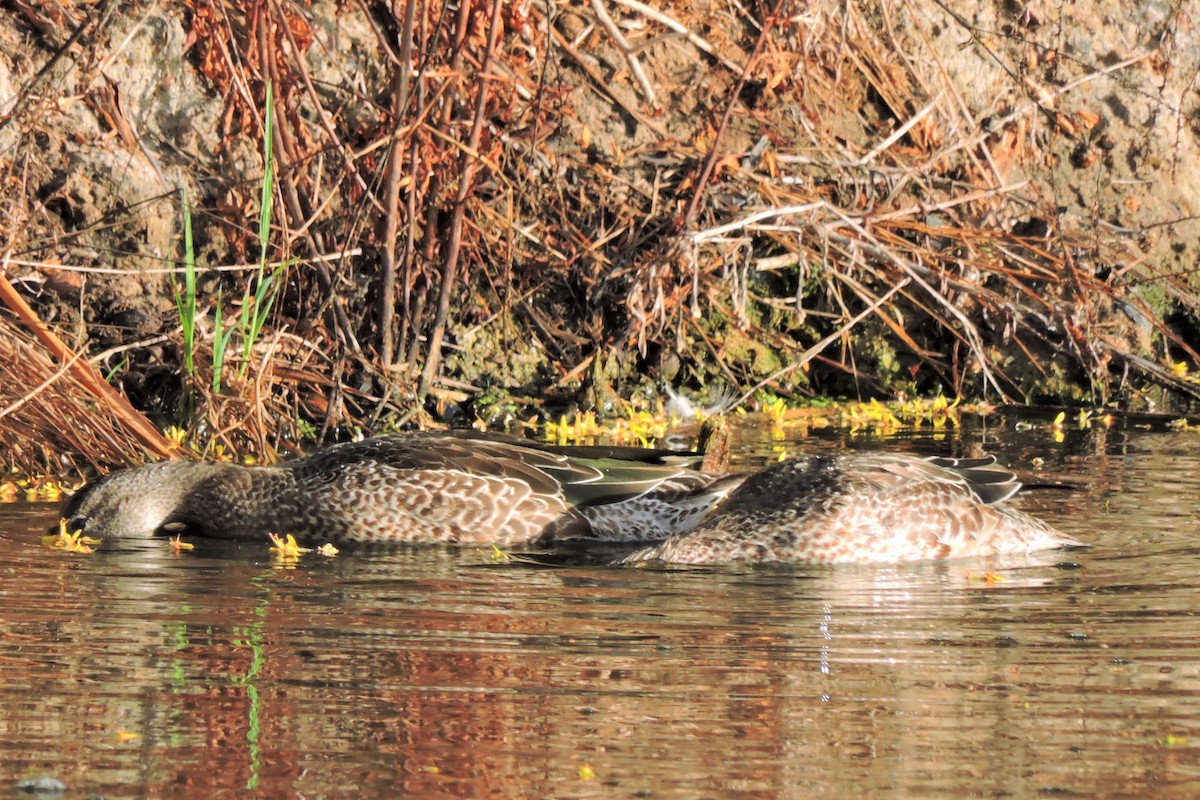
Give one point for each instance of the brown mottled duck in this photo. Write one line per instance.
(452, 487)
(862, 508)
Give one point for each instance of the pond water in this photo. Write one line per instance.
(136, 672)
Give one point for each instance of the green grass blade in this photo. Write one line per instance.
(185, 301)
(257, 307)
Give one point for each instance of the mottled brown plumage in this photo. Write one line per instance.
(858, 508)
(425, 487)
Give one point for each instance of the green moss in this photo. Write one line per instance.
(499, 353)
(756, 357)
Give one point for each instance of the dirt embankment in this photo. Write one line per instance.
(500, 207)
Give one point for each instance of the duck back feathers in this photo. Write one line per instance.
(859, 508)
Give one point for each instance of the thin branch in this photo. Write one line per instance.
(693, 207)
(466, 184)
(623, 45)
(700, 43)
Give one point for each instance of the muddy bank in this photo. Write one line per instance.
(501, 208)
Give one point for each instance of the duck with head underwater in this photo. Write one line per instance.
(863, 508)
(433, 487)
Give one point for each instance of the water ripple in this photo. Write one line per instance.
(426, 672)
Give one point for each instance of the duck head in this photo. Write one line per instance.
(138, 502)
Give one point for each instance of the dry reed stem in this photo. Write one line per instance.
(54, 425)
(141, 429)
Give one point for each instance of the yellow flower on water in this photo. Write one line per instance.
(775, 410)
(586, 773)
(71, 542)
(127, 736)
(499, 556)
(178, 545)
(573, 430)
(50, 492)
(76, 543)
(327, 550)
(1056, 427)
(175, 436)
(287, 548)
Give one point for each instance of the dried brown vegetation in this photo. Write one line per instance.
(564, 202)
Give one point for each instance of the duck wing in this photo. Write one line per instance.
(580, 475)
(991, 482)
(987, 480)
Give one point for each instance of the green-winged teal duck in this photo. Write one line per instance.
(861, 508)
(424, 487)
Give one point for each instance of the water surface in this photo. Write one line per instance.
(431, 673)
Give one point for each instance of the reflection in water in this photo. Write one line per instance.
(428, 672)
